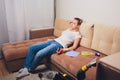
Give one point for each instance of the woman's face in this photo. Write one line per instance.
(74, 24)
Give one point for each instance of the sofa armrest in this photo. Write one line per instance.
(109, 67)
(42, 32)
(112, 60)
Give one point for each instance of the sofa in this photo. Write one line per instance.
(96, 38)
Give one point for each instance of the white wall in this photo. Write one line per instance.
(95, 11)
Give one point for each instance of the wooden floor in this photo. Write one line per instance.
(3, 70)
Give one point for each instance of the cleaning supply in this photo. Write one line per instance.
(62, 76)
(97, 54)
(84, 53)
(81, 73)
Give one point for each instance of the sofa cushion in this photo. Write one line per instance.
(106, 39)
(16, 50)
(60, 25)
(86, 30)
(73, 65)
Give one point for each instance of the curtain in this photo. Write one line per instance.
(3, 26)
(22, 15)
(25, 14)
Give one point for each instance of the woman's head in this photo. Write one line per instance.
(79, 21)
(76, 22)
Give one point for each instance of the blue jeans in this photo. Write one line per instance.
(37, 52)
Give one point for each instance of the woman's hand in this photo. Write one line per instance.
(61, 50)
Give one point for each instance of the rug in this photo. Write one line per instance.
(33, 76)
(12, 76)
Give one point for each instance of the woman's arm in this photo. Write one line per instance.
(74, 46)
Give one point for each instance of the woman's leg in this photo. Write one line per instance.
(44, 52)
(33, 49)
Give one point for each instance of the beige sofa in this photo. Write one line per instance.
(95, 38)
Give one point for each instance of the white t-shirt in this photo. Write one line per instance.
(67, 38)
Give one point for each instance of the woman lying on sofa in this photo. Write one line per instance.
(37, 52)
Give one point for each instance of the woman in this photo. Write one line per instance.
(37, 52)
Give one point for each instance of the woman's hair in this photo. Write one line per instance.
(79, 20)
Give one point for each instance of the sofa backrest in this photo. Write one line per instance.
(86, 30)
(106, 39)
(60, 26)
